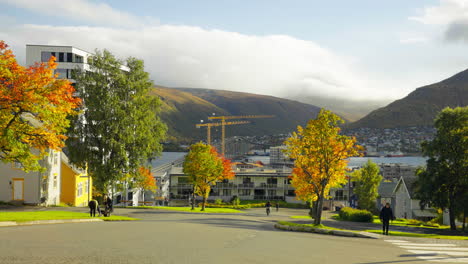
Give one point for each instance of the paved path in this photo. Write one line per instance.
(172, 237)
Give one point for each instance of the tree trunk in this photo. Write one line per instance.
(464, 220)
(193, 199)
(453, 226)
(204, 202)
(319, 207)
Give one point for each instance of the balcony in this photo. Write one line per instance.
(223, 185)
(246, 185)
(269, 186)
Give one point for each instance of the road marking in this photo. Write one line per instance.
(433, 252)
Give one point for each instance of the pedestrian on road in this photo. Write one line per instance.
(277, 206)
(93, 206)
(268, 208)
(386, 214)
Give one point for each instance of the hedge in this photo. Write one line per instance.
(355, 215)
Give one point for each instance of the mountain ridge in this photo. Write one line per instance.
(420, 107)
(182, 108)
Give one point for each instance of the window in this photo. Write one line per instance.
(45, 55)
(56, 158)
(61, 57)
(86, 187)
(183, 180)
(62, 73)
(272, 181)
(55, 180)
(271, 193)
(246, 180)
(79, 190)
(78, 58)
(245, 192)
(17, 165)
(226, 192)
(69, 57)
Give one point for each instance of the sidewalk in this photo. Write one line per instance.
(47, 222)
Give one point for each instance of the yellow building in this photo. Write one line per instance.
(77, 186)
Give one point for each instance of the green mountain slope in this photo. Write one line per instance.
(420, 107)
(184, 107)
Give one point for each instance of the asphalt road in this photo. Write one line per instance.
(171, 237)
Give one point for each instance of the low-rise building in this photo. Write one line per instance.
(35, 188)
(76, 184)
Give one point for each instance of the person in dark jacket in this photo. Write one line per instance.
(386, 214)
(93, 206)
(277, 206)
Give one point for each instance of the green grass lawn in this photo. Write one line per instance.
(301, 217)
(189, 209)
(307, 225)
(406, 234)
(54, 215)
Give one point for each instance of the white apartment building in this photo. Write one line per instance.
(68, 58)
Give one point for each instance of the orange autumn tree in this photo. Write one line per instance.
(34, 106)
(204, 168)
(145, 180)
(319, 153)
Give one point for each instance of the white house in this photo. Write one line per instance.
(33, 187)
(406, 206)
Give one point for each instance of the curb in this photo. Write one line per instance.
(327, 231)
(48, 222)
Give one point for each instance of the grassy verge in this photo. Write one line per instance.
(300, 217)
(188, 209)
(307, 225)
(402, 222)
(54, 215)
(406, 234)
(282, 204)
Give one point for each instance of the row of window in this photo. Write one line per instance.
(61, 56)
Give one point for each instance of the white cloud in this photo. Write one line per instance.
(447, 12)
(452, 15)
(186, 56)
(79, 10)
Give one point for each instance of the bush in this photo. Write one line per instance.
(235, 200)
(218, 201)
(414, 222)
(355, 215)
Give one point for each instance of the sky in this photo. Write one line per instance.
(360, 50)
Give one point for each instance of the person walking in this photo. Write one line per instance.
(93, 206)
(386, 214)
(277, 206)
(108, 205)
(268, 208)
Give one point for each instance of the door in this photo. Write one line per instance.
(18, 188)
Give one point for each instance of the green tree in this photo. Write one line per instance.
(319, 153)
(444, 181)
(118, 129)
(367, 179)
(204, 168)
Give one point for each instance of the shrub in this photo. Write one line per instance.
(235, 200)
(218, 201)
(355, 215)
(414, 222)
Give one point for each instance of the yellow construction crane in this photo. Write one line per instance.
(209, 125)
(223, 123)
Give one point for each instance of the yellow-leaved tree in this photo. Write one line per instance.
(319, 153)
(204, 168)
